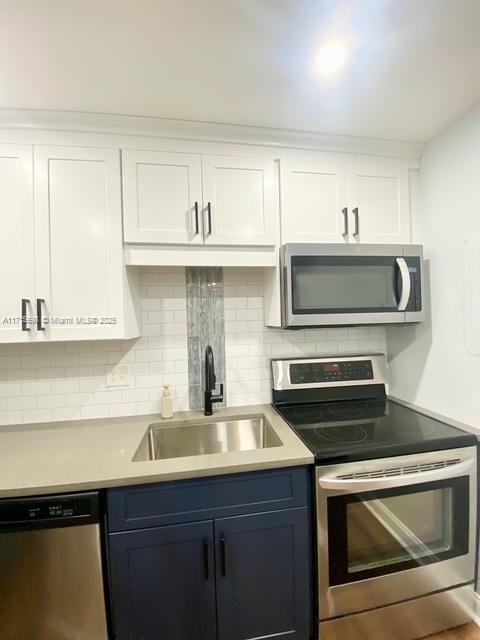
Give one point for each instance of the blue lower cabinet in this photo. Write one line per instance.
(163, 583)
(225, 558)
(263, 572)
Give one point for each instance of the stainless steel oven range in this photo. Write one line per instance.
(395, 496)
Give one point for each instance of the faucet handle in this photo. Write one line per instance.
(210, 377)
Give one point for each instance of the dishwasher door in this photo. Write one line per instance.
(51, 578)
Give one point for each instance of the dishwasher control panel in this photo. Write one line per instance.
(79, 506)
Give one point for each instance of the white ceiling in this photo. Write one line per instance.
(413, 68)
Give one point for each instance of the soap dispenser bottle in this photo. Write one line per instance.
(167, 402)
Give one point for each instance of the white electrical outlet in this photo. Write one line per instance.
(118, 376)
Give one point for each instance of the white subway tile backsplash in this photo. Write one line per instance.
(8, 389)
(122, 409)
(67, 381)
(147, 382)
(92, 384)
(93, 411)
(65, 360)
(52, 401)
(79, 399)
(21, 403)
(10, 417)
(148, 355)
(163, 367)
(93, 358)
(37, 415)
(348, 346)
(10, 362)
(181, 366)
(172, 329)
(33, 362)
(66, 413)
(79, 372)
(175, 354)
(65, 386)
(36, 388)
(135, 395)
(249, 377)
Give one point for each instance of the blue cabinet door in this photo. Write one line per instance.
(263, 576)
(162, 583)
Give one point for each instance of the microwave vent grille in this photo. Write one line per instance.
(400, 471)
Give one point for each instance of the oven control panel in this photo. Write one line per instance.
(334, 371)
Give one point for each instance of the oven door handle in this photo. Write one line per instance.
(406, 284)
(356, 485)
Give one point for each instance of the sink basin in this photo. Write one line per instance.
(195, 439)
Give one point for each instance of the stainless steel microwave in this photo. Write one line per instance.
(334, 284)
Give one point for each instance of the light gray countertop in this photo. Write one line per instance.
(59, 457)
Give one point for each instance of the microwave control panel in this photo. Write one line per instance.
(415, 301)
(334, 371)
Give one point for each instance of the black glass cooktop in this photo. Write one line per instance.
(366, 429)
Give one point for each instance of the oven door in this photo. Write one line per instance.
(394, 529)
(352, 288)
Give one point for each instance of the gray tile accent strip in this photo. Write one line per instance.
(205, 325)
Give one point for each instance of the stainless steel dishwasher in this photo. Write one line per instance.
(51, 577)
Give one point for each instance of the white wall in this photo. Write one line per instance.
(430, 365)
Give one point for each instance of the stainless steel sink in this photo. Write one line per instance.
(195, 439)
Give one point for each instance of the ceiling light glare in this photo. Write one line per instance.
(331, 57)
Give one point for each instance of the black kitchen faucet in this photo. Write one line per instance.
(210, 382)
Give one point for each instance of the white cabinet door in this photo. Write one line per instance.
(379, 201)
(239, 201)
(162, 195)
(79, 254)
(17, 269)
(313, 201)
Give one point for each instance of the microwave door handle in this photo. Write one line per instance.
(356, 485)
(406, 284)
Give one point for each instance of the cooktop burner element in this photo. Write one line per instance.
(345, 411)
(308, 413)
(343, 420)
(347, 434)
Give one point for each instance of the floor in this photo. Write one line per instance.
(466, 632)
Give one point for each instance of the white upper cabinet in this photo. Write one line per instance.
(181, 198)
(238, 201)
(162, 197)
(313, 201)
(17, 267)
(379, 202)
(351, 201)
(82, 287)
